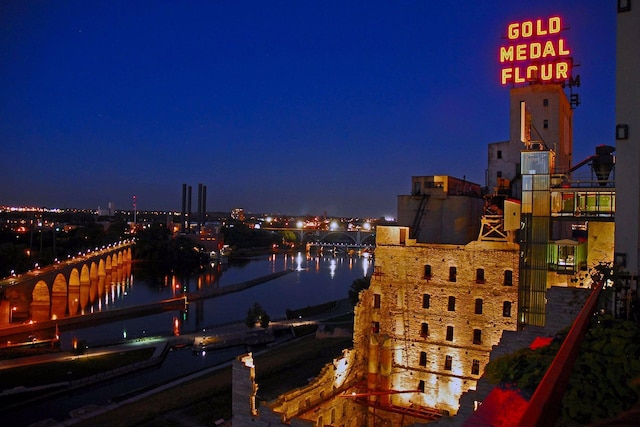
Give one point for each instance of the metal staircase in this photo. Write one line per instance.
(417, 220)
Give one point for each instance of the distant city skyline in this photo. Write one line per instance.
(292, 108)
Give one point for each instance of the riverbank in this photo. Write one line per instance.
(14, 336)
(203, 400)
(223, 290)
(242, 253)
(302, 359)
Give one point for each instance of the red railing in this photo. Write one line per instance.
(505, 406)
(544, 406)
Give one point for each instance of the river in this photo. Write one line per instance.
(315, 280)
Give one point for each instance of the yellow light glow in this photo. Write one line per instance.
(544, 72)
(341, 372)
(528, 29)
(523, 60)
(247, 360)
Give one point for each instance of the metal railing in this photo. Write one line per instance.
(544, 406)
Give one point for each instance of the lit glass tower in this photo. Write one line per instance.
(535, 234)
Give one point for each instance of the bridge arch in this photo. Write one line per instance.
(310, 236)
(93, 282)
(41, 302)
(102, 267)
(369, 240)
(68, 288)
(338, 237)
(85, 287)
(102, 275)
(59, 297)
(74, 292)
(119, 273)
(93, 270)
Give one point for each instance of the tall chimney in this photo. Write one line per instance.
(189, 209)
(184, 207)
(204, 204)
(199, 225)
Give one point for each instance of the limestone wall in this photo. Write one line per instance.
(442, 319)
(395, 362)
(320, 402)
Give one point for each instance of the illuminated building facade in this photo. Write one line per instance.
(439, 309)
(238, 214)
(536, 62)
(564, 224)
(551, 124)
(423, 333)
(426, 327)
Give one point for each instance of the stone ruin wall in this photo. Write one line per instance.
(400, 283)
(319, 402)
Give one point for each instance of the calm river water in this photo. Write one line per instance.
(316, 279)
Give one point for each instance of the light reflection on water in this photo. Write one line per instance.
(315, 279)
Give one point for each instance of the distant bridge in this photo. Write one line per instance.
(66, 288)
(314, 237)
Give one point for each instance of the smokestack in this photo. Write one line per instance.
(198, 227)
(204, 204)
(184, 207)
(189, 209)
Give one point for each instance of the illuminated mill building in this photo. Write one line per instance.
(438, 303)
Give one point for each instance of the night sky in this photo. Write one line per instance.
(292, 107)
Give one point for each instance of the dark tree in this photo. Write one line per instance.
(239, 236)
(152, 244)
(357, 286)
(257, 314)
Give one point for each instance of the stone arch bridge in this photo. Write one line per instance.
(330, 237)
(64, 289)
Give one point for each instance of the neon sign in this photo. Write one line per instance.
(536, 53)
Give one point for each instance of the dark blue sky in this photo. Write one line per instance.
(284, 107)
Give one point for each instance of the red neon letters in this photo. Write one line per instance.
(535, 53)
